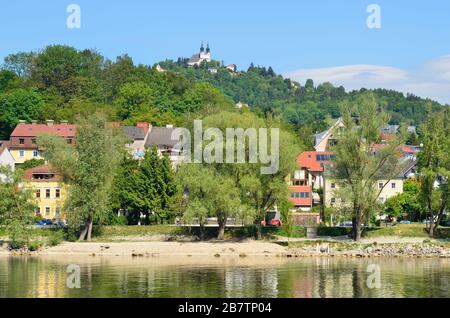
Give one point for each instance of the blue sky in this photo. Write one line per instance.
(323, 39)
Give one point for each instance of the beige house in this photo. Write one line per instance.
(388, 189)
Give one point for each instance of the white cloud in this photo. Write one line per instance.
(431, 80)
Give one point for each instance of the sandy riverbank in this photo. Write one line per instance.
(140, 249)
(380, 247)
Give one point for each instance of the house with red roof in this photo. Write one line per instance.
(309, 177)
(23, 139)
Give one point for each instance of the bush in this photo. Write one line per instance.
(333, 231)
(55, 238)
(443, 233)
(35, 245)
(296, 231)
(19, 236)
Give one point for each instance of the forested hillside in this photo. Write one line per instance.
(61, 82)
(262, 88)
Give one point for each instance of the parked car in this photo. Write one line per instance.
(44, 223)
(404, 222)
(346, 224)
(273, 218)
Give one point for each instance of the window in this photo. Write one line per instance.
(37, 211)
(33, 140)
(38, 193)
(333, 186)
(381, 185)
(35, 153)
(393, 185)
(333, 200)
(47, 193)
(21, 153)
(300, 195)
(58, 193)
(69, 141)
(21, 141)
(47, 211)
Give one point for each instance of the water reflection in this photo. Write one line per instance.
(226, 277)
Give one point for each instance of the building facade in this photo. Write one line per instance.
(136, 138)
(23, 141)
(48, 191)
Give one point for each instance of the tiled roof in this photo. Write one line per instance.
(161, 136)
(408, 149)
(308, 160)
(387, 136)
(133, 132)
(44, 169)
(33, 130)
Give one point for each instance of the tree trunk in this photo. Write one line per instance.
(431, 229)
(259, 231)
(356, 225)
(322, 206)
(86, 233)
(83, 234)
(222, 224)
(89, 227)
(202, 233)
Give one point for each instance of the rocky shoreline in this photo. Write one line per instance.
(370, 250)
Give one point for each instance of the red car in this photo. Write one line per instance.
(272, 219)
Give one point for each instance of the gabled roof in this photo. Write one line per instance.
(194, 58)
(408, 166)
(33, 130)
(160, 136)
(134, 133)
(319, 137)
(4, 144)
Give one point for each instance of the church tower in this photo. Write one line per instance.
(205, 55)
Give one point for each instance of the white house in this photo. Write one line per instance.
(6, 159)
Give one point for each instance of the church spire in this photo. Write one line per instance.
(207, 48)
(202, 48)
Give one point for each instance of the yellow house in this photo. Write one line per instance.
(23, 139)
(48, 191)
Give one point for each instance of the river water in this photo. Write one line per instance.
(190, 277)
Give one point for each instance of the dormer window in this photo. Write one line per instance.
(42, 176)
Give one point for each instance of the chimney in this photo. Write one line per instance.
(22, 121)
(50, 122)
(146, 126)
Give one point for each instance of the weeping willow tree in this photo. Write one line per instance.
(88, 168)
(359, 169)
